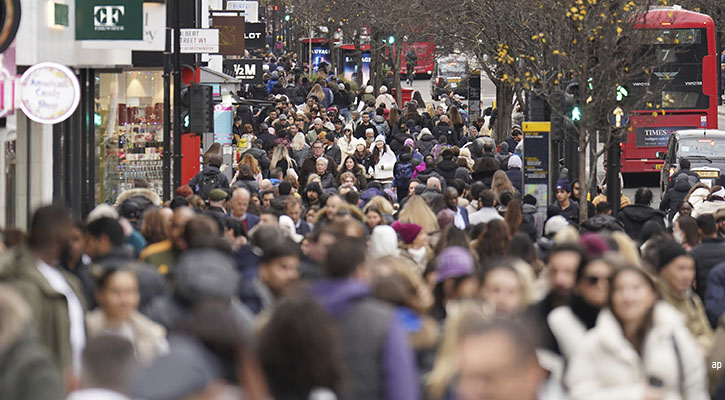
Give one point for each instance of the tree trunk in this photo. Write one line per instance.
(396, 77)
(583, 182)
(504, 100)
(376, 61)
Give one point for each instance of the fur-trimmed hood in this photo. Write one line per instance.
(15, 317)
(139, 192)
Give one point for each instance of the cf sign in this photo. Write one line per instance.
(107, 16)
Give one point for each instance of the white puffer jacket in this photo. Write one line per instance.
(606, 366)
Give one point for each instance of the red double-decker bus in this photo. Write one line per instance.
(685, 84)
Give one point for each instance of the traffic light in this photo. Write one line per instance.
(276, 7)
(287, 17)
(622, 93)
(201, 110)
(571, 101)
(184, 106)
(391, 39)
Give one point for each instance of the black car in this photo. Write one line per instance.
(450, 74)
(704, 148)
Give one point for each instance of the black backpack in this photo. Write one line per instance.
(207, 184)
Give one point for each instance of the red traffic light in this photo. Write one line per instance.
(276, 8)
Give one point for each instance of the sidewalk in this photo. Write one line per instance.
(721, 109)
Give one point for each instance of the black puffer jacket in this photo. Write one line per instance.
(636, 215)
(674, 196)
(430, 173)
(397, 141)
(707, 254)
(447, 169)
(601, 222)
(426, 144)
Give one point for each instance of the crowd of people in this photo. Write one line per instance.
(381, 253)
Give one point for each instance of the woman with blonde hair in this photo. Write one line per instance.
(501, 183)
(416, 211)
(282, 160)
(299, 148)
(468, 313)
(318, 92)
(508, 286)
(382, 204)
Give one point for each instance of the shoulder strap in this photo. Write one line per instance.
(680, 367)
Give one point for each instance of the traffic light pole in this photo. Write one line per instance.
(614, 191)
(167, 106)
(177, 93)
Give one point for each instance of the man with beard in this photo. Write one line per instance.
(54, 295)
(563, 262)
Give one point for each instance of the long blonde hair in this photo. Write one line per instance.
(280, 153)
(381, 204)
(318, 92)
(466, 314)
(501, 183)
(416, 210)
(298, 142)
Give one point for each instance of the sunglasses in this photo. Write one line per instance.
(593, 280)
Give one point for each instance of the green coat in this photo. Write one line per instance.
(27, 373)
(18, 268)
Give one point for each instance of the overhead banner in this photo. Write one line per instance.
(246, 70)
(254, 35)
(249, 9)
(231, 34)
(109, 20)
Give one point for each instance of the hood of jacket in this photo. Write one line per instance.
(427, 137)
(640, 213)
(336, 295)
(15, 318)
(140, 192)
(447, 166)
(528, 209)
(698, 196)
(600, 222)
(405, 158)
(210, 170)
(378, 119)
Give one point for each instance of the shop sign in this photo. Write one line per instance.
(247, 70)
(109, 20)
(254, 37)
(154, 37)
(199, 40)
(249, 9)
(231, 34)
(49, 93)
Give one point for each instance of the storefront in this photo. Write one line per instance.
(129, 131)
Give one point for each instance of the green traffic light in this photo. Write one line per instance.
(391, 39)
(287, 17)
(622, 92)
(185, 122)
(576, 113)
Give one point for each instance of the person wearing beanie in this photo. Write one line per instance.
(675, 276)
(332, 150)
(347, 142)
(385, 99)
(454, 279)
(414, 243)
(317, 128)
(563, 205)
(514, 173)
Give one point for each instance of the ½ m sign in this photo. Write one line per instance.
(246, 70)
(109, 20)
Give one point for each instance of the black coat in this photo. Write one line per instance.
(707, 254)
(209, 170)
(516, 178)
(447, 169)
(443, 129)
(260, 155)
(636, 215)
(426, 144)
(674, 196)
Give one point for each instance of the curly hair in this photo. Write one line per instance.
(493, 241)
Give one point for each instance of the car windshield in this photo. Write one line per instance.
(706, 147)
(452, 68)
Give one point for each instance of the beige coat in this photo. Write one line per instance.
(694, 311)
(607, 367)
(149, 337)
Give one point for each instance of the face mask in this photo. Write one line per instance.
(679, 237)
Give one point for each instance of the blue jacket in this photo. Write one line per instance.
(715, 294)
(397, 368)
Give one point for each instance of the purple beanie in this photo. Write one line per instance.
(453, 262)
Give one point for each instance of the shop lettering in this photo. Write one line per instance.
(245, 72)
(320, 51)
(693, 83)
(655, 132)
(252, 35)
(107, 17)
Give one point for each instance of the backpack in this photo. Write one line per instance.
(403, 174)
(207, 184)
